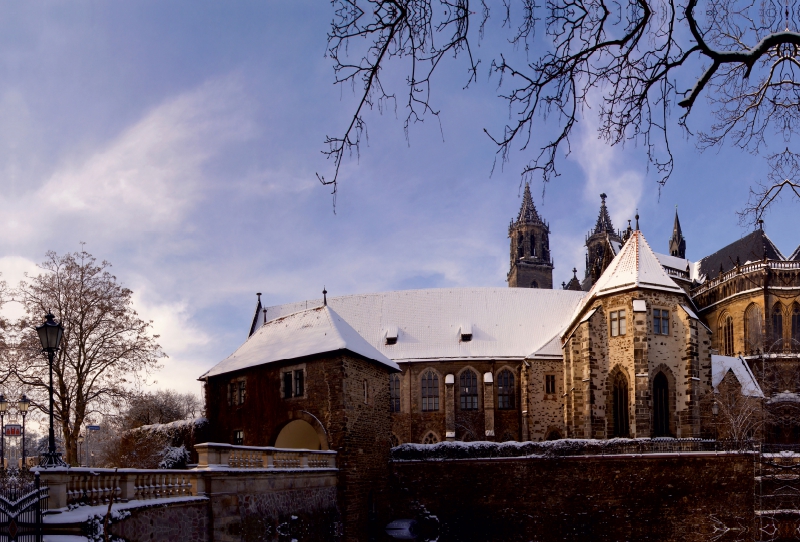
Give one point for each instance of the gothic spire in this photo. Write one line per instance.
(677, 243)
(527, 213)
(604, 220)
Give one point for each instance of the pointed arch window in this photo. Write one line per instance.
(776, 341)
(660, 406)
(621, 407)
(505, 390)
(394, 393)
(726, 335)
(430, 438)
(520, 246)
(795, 327)
(753, 329)
(533, 245)
(430, 391)
(468, 390)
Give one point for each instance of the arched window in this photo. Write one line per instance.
(533, 245)
(534, 284)
(430, 392)
(468, 390)
(726, 335)
(795, 327)
(660, 406)
(553, 434)
(394, 393)
(776, 341)
(753, 329)
(520, 246)
(430, 438)
(620, 406)
(505, 390)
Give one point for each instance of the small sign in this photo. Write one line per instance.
(13, 430)
(93, 427)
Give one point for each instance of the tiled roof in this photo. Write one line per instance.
(750, 248)
(305, 333)
(507, 323)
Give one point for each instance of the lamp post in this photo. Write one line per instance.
(22, 406)
(80, 441)
(3, 410)
(50, 333)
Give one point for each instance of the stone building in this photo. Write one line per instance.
(636, 348)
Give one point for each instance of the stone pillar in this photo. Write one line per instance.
(488, 404)
(523, 390)
(640, 428)
(449, 407)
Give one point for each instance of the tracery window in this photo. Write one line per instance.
(776, 341)
(660, 406)
(468, 390)
(726, 335)
(505, 390)
(394, 393)
(430, 438)
(621, 410)
(533, 245)
(430, 391)
(753, 329)
(795, 327)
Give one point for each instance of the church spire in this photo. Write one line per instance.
(677, 243)
(527, 213)
(603, 220)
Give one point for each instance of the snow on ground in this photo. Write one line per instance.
(82, 514)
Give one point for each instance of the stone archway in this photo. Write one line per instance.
(298, 434)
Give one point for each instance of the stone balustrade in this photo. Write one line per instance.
(213, 454)
(82, 485)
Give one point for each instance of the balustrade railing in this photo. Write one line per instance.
(212, 454)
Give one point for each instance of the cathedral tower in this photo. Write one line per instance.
(602, 244)
(531, 266)
(677, 244)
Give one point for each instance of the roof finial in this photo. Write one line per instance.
(324, 296)
(574, 272)
(760, 223)
(259, 297)
(265, 316)
(637, 219)
(603, 198)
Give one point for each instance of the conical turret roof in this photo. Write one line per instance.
(604, 224)
(527, 213)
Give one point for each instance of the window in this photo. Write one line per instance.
(394, 393)
(236, 392)
(660, 406)
(430, 438)
(505, 390)
(618, 323)
(520, 247)
(753, 329)
(469, 390)
(795, 327)
(430, 392)
(726, 332)
(533, 245)
(660, 322)
(620, 406)
(549, 384)
(777, 328)
(293, 384)
(366, 392)
(238, 437)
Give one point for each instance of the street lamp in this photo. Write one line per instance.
(50, 333)
(80, 441)
(3, 410)
(22, 406)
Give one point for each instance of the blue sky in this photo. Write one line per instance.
(180, 142)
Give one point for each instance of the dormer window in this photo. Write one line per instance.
(466, 332)
(391, 335)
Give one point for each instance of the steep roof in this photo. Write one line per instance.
(527, 212)
(305, 333)
(254, 325)
(603, 224)
(750, 248)
(720, 365)
(506, 323)
(574, 284)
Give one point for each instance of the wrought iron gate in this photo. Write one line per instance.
(778, 493)
(22, 503)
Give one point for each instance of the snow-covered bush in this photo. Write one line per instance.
(174, 457)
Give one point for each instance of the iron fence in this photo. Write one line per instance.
(23, 500)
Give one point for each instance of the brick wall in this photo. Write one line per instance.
(658, 497)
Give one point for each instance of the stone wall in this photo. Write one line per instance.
(166, 522)
(653, 497)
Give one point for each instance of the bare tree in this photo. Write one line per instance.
(105, 349)
(162, 406)
(635, 58)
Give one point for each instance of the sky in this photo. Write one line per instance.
(180, 141)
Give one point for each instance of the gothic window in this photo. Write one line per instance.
(776, 343)
(549, 384)
(533, 245)
(520, 246)
(660, 406)
(505, 390)
(468, 390)
(726, 335)
(430, 392)
(430, 438)
(620, 406)
(618, 323)
(753, 326)
(553, 434)
(534, 284)
(394, 393)
(660, 322)
(795, 327)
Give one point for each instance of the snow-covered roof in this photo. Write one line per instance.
(304, 333)
(785, 396)
(551, 350)
(507, 323)
(680, 264)
(720, 365)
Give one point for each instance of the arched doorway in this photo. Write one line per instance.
(298, 434)
(620, 406)
(660, 406)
